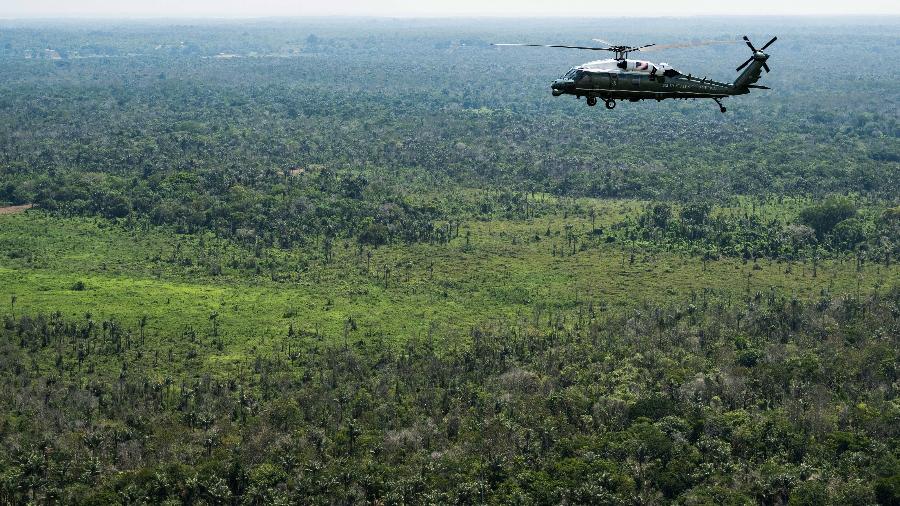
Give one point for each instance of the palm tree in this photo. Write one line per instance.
(214, 318)
(142, 323)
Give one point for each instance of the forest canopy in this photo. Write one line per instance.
(335, 261)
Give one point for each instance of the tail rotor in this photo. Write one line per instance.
(758, 54)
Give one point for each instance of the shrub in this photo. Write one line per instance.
(887, 490)
(376, 234)
(825, 216)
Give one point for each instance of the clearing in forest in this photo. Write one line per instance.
(15, 209)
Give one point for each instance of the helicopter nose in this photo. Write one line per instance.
(560, 86)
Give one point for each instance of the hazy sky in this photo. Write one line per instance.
(580, 8)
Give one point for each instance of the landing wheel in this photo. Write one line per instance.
(592, 101)
(722, 108)
(610, 104)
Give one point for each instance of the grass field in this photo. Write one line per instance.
(494, 270)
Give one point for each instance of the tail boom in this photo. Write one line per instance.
(750, 75)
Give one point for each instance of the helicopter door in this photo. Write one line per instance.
(582, 79)
(613, 79)
(636, 82)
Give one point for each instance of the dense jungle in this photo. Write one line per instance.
(374, 261)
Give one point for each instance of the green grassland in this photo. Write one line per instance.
(510, 270)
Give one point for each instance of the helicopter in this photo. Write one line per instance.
(634, 80)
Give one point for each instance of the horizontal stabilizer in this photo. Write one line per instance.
(759, 87)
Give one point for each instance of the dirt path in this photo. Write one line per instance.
(15, 209)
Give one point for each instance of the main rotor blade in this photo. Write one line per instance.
(679, 45)
(744, 64)
(749, 44)
(768, 44)
(641, 48)
(557, 45)
(603, 42)
(766, 67)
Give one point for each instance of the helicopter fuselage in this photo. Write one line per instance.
(634, 80)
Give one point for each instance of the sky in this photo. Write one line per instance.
(433, 8)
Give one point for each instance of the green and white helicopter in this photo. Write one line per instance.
(622, 78)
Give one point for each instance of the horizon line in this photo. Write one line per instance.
(441, 16)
